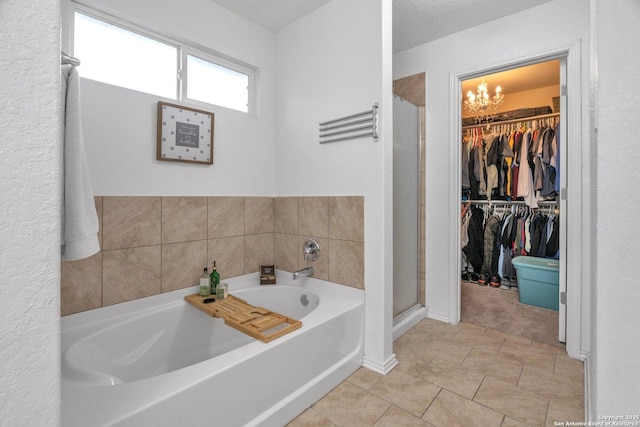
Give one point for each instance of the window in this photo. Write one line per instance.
(119, 57)
(215, 84)
(135, 60)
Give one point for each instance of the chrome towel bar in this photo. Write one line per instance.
(355, 126)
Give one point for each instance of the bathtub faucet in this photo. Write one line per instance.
(305, 272)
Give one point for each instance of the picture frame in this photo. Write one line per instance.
(185, 134)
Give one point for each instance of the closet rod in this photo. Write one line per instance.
(506, 202)
(505, 122)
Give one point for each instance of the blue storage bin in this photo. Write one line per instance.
(538, 281)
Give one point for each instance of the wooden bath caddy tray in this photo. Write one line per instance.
(257, 322)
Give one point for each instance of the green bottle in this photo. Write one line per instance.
(214, 279)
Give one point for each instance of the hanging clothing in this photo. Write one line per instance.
(464, 162)
(475, 248)
(474, 173)
(490, 231)
(525, 177)
(553, 244)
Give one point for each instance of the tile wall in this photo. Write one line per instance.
(152, 245)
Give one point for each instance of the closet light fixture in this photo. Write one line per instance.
(482, 106)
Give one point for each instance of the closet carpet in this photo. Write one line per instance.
(500, 310)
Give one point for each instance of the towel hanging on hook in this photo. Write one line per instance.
(68, 59)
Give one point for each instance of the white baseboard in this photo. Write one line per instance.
(584, 356)
(409, 321)
(437, 316)
(381, 368)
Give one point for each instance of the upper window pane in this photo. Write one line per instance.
(215, 84)
(114, 55)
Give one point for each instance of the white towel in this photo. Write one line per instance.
(79, 217)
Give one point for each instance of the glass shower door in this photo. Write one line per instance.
(406, 172)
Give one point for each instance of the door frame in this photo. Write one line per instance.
(572, 122)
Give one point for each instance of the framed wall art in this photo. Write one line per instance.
(184, 134)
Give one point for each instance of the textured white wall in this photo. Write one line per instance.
(617, 293)
(120, 124)
(333, 63)
(499, 41)
(30, 150)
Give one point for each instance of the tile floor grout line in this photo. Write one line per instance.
(551, 399)
(478, 389)
(425, 367)
(465, 357)
(542, 396)
(385, 411)
(546, 414)
(476, 402)
(548, 399)
(502, 345)
(520, 374)
(431, 403)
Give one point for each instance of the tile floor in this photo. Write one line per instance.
(501, 310)
(463, 375)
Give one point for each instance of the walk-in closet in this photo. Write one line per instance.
(511, 221)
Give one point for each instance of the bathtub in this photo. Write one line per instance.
(158, 361)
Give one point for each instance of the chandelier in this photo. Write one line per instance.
(480, 105)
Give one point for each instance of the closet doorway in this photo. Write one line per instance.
(511, 177)
(408, 202)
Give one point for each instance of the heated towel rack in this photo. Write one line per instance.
(355, 126)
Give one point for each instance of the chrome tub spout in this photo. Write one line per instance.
(305, 272)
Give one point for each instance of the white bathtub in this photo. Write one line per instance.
(157, 361)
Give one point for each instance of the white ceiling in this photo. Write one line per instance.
(415, 22)
(272, 14)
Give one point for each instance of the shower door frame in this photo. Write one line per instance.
(415, 273)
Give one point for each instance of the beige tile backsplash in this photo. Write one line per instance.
(131, 273)
(184, 219)
(285, 215)
(226, 216)
(129, 222)
(183, 263)
(314, 216)
(258, 215)
(160, 244)
(346, 218)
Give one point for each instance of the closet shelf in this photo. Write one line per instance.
(506, 122)
(506, 202)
